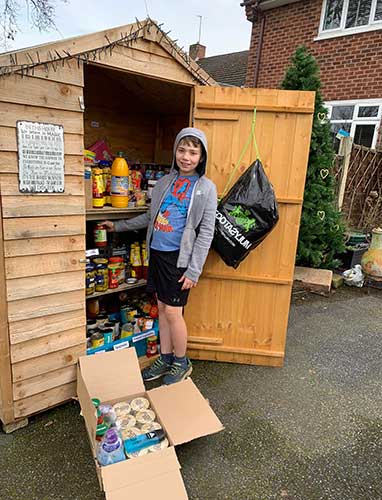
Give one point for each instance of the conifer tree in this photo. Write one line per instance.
(321, 230)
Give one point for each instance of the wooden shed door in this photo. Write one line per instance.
(43, 243)
(241, 315)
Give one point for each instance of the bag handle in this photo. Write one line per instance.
(250, 138)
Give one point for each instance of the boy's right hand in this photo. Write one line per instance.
(109, 225)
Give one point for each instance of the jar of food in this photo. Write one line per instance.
(115, 325)
(101, 275)
(121, 266)
(90, 278)
(114, 270)
(92, 308)
(152, 346)
(97, 339)
(101, 319)
(127, 330)
(98, 188)
(107, 335)
(100, 235)
(90, 325)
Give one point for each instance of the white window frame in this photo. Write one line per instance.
(355, 119)
(342, 31)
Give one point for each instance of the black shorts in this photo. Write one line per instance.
(163, 278)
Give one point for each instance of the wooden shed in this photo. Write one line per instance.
(140, 89)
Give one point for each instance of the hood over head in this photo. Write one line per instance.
(194, 132)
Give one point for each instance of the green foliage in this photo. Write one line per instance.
(242, 218)
(321, 230)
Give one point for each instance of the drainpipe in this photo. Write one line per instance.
(259, 49)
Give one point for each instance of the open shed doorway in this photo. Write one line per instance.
(135, 114)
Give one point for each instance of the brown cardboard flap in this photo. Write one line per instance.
(185, 413)
(87, 408)
(168, 486)
(112, 375)
(140, 473)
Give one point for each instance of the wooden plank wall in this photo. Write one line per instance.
(43, 242)
(242, 315)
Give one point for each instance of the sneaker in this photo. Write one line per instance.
(178, 372)
(156, 370)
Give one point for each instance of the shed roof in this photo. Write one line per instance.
(227, 69)
(89, 47)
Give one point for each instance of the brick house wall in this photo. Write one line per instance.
(351, 65)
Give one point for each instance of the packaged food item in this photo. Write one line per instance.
(145, 417)
(152, 346)
(136, 179)
(106, 173)
(139, 453)
(107, 335)
(125, 421)
(108, 413)
(90, 278)
(159, 446)
(101, 275)
(101, 430)
(122, 407)
(145, 261)
(98, 188)
(121, 268)
(140, 198)
(101, 319)
(139, 404)
(151, 426)
(100, 235)
(127, 330)
(91, 324)
(135, 261)
(110, 450)
(97, 339)
(119, 182)
(130, 432)
(92, 308)
(114, 271)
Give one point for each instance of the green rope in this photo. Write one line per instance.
(250, 139)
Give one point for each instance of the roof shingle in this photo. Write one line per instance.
(227, 69)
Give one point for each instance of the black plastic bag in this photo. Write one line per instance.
(245, 215)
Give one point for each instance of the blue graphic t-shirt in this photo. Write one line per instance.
(172, 216)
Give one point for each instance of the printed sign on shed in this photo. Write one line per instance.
(41, 157)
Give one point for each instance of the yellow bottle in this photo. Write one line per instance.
(119, 182)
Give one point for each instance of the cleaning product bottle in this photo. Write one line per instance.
(119, 182)
(110, 449)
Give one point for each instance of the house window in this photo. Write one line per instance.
(342, 17)
(360, 118)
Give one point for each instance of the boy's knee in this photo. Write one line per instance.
(172, 312)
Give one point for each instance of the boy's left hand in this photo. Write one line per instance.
(187, 283)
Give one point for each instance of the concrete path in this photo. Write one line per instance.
(311, 430)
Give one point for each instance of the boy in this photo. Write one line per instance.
(180, 224)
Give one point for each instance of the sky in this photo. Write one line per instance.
(224, 25)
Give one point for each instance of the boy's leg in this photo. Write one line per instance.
(166, 345)
(181, 367)
(162, 365)
(177, 328)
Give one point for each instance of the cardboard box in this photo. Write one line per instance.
(180, 408)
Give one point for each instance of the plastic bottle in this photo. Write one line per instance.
(110, 449)
(145, 261)
(119, 182)
(136, 261)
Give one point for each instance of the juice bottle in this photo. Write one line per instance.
(119, 182)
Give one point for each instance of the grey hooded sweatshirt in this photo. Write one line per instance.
(200, 224)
